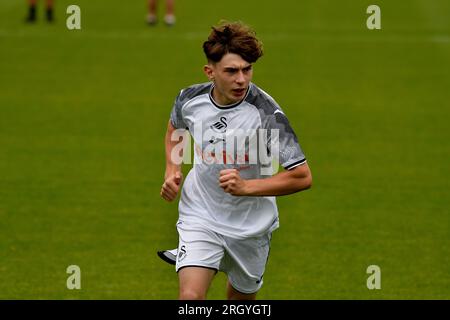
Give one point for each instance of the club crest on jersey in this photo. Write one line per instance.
(220, 126)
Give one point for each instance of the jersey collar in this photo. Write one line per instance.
(228, 106)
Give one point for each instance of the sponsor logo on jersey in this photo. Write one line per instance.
(214, 140)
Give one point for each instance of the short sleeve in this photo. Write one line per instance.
(283, 140)
(176, 116)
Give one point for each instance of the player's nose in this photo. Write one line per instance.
(240, 77)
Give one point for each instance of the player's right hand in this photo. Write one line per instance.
(171, 186)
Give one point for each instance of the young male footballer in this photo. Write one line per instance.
(227, 208)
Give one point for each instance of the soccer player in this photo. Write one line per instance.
(227, 208)
(32, 11)
(169, 17)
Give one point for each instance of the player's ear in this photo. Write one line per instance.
(209, 71)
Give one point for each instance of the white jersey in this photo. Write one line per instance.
(203, 201)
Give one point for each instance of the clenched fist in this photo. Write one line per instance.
(232, 183)
(171, 186)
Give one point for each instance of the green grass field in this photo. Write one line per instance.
(83, 115)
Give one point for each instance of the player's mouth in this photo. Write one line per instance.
(239, 92)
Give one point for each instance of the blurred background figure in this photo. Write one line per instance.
(169, 17)
(32, 11)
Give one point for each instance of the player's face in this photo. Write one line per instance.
(232, 76)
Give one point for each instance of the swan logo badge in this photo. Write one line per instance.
(219, 127)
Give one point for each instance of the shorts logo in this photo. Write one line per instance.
(182, 253)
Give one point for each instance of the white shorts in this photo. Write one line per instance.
(244, 261)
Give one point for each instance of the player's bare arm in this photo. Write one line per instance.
(173, 175)
(283, 183)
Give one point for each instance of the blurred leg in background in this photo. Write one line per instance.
(152, 10)
(169, 17)
(49, 10)
(32, 11)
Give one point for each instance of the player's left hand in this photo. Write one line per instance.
(231, 182)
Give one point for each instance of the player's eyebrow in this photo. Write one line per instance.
(233, 69)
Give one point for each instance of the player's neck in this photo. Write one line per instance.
(220, 99)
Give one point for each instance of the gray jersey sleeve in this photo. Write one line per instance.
(281, 136)
(290, 153)
(176, 116)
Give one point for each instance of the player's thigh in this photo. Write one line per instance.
(200, 252)
(194, 282)
(198, 247)
(245, 263)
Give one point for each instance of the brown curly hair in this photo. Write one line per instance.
(232, 37)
